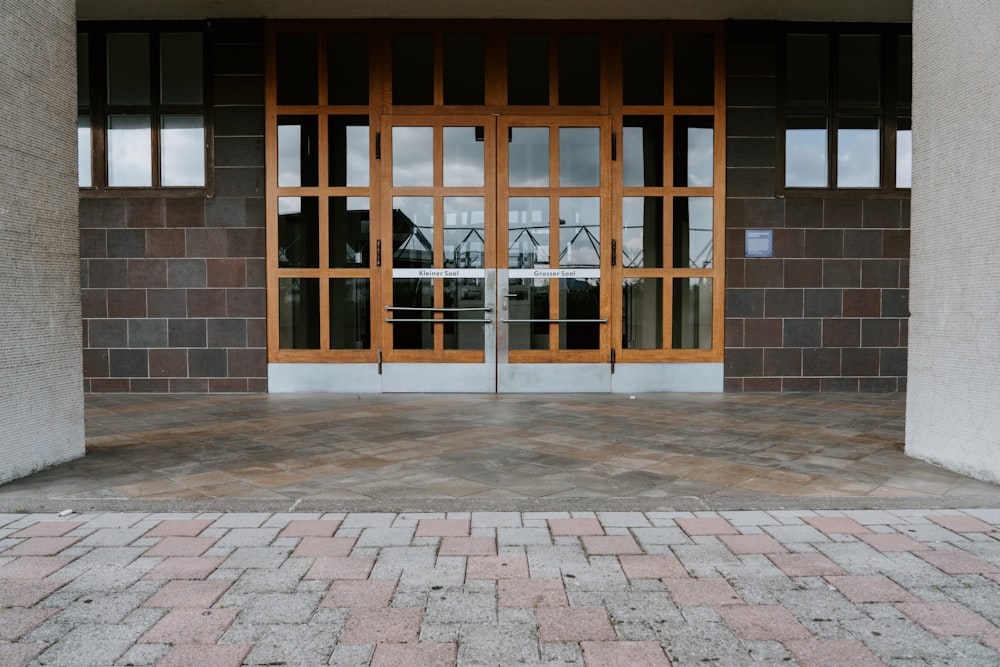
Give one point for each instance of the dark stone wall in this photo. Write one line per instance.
(174, 288)
(829, 311)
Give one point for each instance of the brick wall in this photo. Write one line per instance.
(41, 406)
(829, 311)
(174, 288)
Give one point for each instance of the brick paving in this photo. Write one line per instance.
(791, 586)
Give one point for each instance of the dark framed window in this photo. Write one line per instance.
(143, 103)
(845, 121)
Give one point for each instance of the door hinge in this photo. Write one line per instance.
(378, 253)
(612, 361)
(378, 357)
(614, 252)
(378, 145)
(614, 146)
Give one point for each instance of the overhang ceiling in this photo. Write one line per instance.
(785, 10)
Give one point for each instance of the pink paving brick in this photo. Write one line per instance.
(16, 622)
(624, 654)
(48, 529)
(836, 525)
(179, 528)
(41, 546)
(805, 565)
(341, 567)
(496, 567)
(870, 588)
(995, 576)
(570, 527)
(531, 593)
(316, 547)
(184, 567)
(468, 546)
(310, 528)
(181, 546)
(948, 619)
(217, 655)
(33, 567)
(408, 655)
(752, 544)
(892, 542)
(710, 592)
(394, 625)
(188, 594)
(443, 528)
(574, 624)
(610, 545)
(992, 642)
(190, 626)
(763, 622)
(27, 593)
(373, 594)
(961, 524)
(707, 526)
(832, 653)
(958, 562)
(657, 566)
(18, 655)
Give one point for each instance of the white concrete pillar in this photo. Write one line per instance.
(953, 400)
(41, 376)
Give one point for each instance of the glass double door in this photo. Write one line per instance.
(493, 267)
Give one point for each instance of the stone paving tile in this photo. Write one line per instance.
(196, 626)
(832, 653)
(581, 526)
(706, 526)
(624, 654)
(180, 594)
(805, 565)
(956, 524)
(702, 592)
(892, 542)
(26, 593)
(179, 528)
(315, 547)
(18, 655)
(382, 625)
(48, 529)
(310, 528)
(184, 567)
(341, 568)
(836, 525)
(15, 622)
(468, 546)
(610, 545)
(181, 546)
(444, 527)
(32, 567)
(948, 619)
(763, 622)
(957, 562)
(531, 593)
(573, 624)
(217, 655)
(41, 546)
(496, 567)
(651, 567)
(873, 588)
(407, 655)
(752, 544)
(359, 594)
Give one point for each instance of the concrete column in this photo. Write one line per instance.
(953, 400)
(41, 378)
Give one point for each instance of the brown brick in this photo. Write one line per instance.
(209, 242)
(885, 213)
(127, 303)
(764, 273)
(257, 333)
(149, 386)
(841, 213)
(782, 361)
(762, 384)
(807, 213)
(258, 385)
(803, 273)
(841, 273)
(145, 213)
(845, 384)
(245, 242)
(186, 273)
(824, 243)
(789, 243)
(109, 385)
(227, 385)
(189, 386)
(862, 243)
(862, 303)
(245, 303)
(247, 363)
(841, 332)
(732, 384)
(783, 303)
(147, 273)
(736, 272)
(880, 273)
(227, 272)
(859, 361)
(896, 243)
(167, 302)
(820, 361)
(167, 243)
(734, 333)
(765, 213)
(206, 303)
(168, 363)
(186, 212)
(744, 362)
(93, 243)
(257, 273)
(880, 333)
(107, 273)
(800, 384)
(95, 363)
(94, 302)
(762, 333)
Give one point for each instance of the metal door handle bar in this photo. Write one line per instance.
(602, 321)
(438, 321)
(486, 309)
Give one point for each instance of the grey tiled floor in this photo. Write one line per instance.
(488, 451)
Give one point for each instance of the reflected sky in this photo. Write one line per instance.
(182, 151)
(642, 232)
(528, 160)
(858, 158)
(698, 253)
(805, 158)
(83, 166)
(579, 231)
(357, 155)
(700, 157)
(464, 224)
(130, 161)
(904, 158)
(579, 157)
(528, 232)
(413, 156)
(289, 159)
(464, 162)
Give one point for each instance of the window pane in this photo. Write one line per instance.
(182, 151)
(579, 68)
(181, 68)
(464, 68)
(298, 163)
(904, 153)
(412, 156)
(350, 306)
(642, 313)
(350, 228)
(83, 69)
(297, 68)
(415, 293)
(805, 152)
(579, 157)
(130, 155)
(528, 300)
(413, 232)
(298, 313)
(464, 293)
(693, 232)
(694, 69)
(807, 66)
(642, 232)
(579, 299)
(858, 163)
(692, 314)
(642, 69)
(642, 151)
(347, 55)
(464, 156)
(528, 68)
(413, 68)
(128, 68)
(349, 151)
(83, 152)
(904, 70)
(580, 232)
(464, 232)
(694, 151)
(859, 73)
(528, 232)
(298, 232)
(529, 157)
